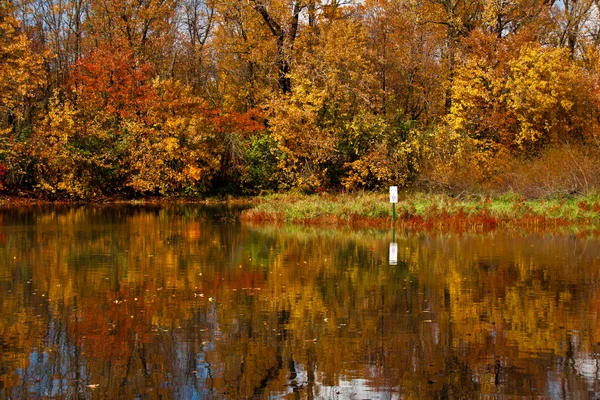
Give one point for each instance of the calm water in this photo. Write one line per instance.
(184, 302)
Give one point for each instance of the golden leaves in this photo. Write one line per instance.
(21, 71)
(541, 91)
(58, 170)
(515, 102)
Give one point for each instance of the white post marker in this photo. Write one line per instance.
(394, 200)
(393, 194)
(394, 246)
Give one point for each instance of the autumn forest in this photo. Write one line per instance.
(142, 98)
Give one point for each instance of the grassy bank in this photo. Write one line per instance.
(428, 211)
(416, 211)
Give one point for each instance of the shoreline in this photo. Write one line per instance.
(429, 212)
(416, 211)
(9, 200)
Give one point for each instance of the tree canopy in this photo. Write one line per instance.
(190, 97)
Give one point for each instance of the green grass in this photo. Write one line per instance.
(506, 209)
(295, 207)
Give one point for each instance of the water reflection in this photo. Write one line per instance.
(183, 302)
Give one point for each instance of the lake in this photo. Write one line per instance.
(186, 302)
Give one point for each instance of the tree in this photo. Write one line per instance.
(459, 19)
(282, 20)
(21, 78)
(57, 28)
(334, 83)
(543, 89)
(408, 63)
(60, 168)
(198, 19)
(21, 73)
(111, 83)
(146, 27)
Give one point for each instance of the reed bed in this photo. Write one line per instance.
(426, 211)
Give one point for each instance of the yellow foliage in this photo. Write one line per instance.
(518, 103)
(21, 70)
(506, 105)
(333, 82)
(21, 76)
(381, 159)
(541, 91)
(175, 147)
(59, 168)
(302, 144)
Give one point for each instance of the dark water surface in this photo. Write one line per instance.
(184, 302)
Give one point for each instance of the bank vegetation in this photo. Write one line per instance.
(431, 212)
(194, 98)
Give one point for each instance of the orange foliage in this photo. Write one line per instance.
(3, 171)
(163, 96)
(113, 81)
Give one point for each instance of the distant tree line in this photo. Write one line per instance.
(196, 97)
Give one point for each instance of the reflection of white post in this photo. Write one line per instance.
(394, 245)
(393, 253)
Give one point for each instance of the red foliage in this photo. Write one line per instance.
(248, 122)
(582, 205)
(112, 79)
(260, 216)
(460, 221)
